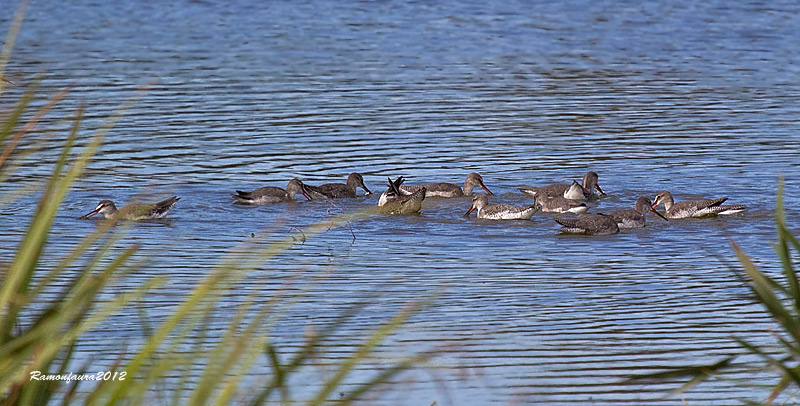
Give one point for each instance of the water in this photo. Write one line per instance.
(698, 99)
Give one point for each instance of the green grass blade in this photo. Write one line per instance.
(243, 353)
(183, 388)
(160, 335)
(21, 271)
(18, 193)
(765, 293)
(363, 352)
(782, 248)
(249, 355)
(17, 282)
(11, 38)
(684, 372)
(71, 257)
(779, 388)
(74, 299)
(58, 340)
(61, 314)
(279, 380)
(11, 145)
(790, 373)
(308, 350)
(68, 398)
(385, 376)
(231, 269)
(9, 123)
(792, 348)
(696, 375)
(21, 156)
(216, 365)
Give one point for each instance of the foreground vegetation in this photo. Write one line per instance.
(41, 331)
(780, 298)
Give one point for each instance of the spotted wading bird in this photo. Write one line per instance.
(337, 190)
(443, 189)
(634, 218)
(135, 211)
(393, 201)
(590, 224)
(575, 191)
(480, 202)
(271, 194)
(694, 208)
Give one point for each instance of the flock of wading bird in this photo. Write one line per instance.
(405, 199)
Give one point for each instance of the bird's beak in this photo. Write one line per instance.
(469, 211)
(653, 209)
(599, 189)
(89, 214)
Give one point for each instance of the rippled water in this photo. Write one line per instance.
(697, 99)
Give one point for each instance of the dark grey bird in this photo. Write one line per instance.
(337, 190)
(271, 194)
(590, 224)
(443, 189)
(634, 218)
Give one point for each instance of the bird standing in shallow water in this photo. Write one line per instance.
(694, 208)
(590, 224)
(443, 189)
(271, 194)
(488, 211)
(634, 218)
(135, 211)
(337, 190)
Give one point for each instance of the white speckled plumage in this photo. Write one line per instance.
(480, 202)
(694, 208)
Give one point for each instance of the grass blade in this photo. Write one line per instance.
(763, 289)
(14, 118)
(29, 126)
(11, 38)
(21, 271)
(782, 248)
(385, 376)
(376, 338)
(789, 373)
